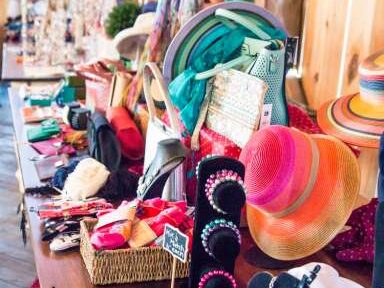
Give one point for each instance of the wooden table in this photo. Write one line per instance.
(67, 269)
(14, 71)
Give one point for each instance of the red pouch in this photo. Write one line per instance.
(129, 136)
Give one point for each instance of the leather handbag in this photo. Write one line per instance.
(129, 136)
(158, 130)
(236, 102)
(270, 67)
(102, 142)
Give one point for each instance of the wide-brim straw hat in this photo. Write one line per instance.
(301, 190)
(129, 40)
(358, 119)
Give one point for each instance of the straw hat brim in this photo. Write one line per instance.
(326, 210)
(353, 120)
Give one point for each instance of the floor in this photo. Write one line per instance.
(17, 266)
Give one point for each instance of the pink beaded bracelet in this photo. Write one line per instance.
(215, 273)
(215, 180)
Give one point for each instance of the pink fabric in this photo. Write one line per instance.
(47, 148)
(357, 244)
(156, 212)
(109, 238)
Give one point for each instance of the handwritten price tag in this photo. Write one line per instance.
(175, 243)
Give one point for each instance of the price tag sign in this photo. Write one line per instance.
(175, 243)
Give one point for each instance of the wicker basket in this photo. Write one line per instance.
(126, 265)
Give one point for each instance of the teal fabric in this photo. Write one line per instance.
(186, 93)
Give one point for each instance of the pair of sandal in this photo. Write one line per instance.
(65, 241)
(52, 228)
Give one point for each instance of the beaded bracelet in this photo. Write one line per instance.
(213, 226)
(214, 273)
(204, 158)
(215, 180)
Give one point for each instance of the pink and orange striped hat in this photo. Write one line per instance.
(301, 190)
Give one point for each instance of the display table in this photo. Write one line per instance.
(14, 71)
(68, 270)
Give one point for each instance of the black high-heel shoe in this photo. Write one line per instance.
(170, 154)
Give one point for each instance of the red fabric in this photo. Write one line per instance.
(129, 136)
(357, 244)
(173, 216)
(72, 208)
(210, 143)
(298, 118)
(153, 207)
(36, 283)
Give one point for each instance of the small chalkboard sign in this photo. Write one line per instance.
(175, 242)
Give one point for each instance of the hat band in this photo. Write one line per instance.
(308, 188)
(375, 98)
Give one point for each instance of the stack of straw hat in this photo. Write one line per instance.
(359, 119)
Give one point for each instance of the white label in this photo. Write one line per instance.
(266, 116)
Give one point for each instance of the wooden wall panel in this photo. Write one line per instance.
(364, 34)
(3, 11)
(338, 35)
(289, 12)
(322, 45)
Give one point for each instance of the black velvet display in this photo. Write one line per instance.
(228, 196)
(224, 245)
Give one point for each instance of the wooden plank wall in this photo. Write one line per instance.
(288, 11)
(3, 11)
(337, 36)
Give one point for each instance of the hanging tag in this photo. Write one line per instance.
(266, 116)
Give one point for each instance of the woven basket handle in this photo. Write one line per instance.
(152, 71)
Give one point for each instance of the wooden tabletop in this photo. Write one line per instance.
(14, 71)
(68, 270)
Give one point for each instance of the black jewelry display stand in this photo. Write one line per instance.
(230, 197)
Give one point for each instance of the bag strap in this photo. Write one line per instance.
(222, 67)
(243, 21)
(152, 70)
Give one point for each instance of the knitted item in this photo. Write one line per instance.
(357, 244)
(86, 180)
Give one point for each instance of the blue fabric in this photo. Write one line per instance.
(372, 85)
